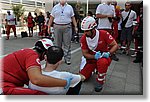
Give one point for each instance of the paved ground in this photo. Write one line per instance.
(123, 77)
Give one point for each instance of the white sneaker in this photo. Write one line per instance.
(133, 55)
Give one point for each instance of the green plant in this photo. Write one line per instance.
(18, 10)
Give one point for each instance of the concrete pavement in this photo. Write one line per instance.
(123, 77)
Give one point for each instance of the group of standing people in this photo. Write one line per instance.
(34, 21)
(98, 45)
(31, 22)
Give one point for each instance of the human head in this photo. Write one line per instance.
(114, 3)
(90, 13)
(41, 46)
(29, 14)
(88, 24)
(41, 13)
(8, 12)
(54, 54)
(62, 2)
(106, 1)
(35, 13)
(127, 5)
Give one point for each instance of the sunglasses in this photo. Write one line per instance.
(127, 5)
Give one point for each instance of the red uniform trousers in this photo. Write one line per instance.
(101, 65)
(8, 30)
(12, 89)
(115, 30)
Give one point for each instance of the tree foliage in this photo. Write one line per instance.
(18, 10)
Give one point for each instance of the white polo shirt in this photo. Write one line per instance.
(57, 90)
(104, 9)
(62, 14)
(10, 17)
(131, 18)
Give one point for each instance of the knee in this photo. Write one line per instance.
(102, 62)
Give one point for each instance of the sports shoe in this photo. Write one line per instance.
(67, 62)
(133, 55)
(98, 87)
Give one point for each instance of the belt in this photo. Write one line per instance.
(62, 24)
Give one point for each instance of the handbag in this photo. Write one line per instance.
(125, 21)
(24, 34)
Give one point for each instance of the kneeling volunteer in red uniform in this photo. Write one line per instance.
(94, 45)
(21, 66)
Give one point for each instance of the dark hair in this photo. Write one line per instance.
(54, 54)
(39, 47)
(127, 3)
(90, 13)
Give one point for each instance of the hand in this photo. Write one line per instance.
(76, 29)
(97, 55)
(68, 82)
(106, 54)
(49, 30)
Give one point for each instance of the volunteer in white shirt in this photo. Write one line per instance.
(105, 12)
(10, 23)
(62, 15)
(127, 31)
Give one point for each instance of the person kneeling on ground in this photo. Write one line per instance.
(53, 60)
(94, 45)
(21, 66)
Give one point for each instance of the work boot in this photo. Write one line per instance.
(98, 87)
(114, 57)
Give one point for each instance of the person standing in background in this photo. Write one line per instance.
(62, 15)
(10, 23)
(40, 20)
(105, 12)
(128, 29)
(30, 21)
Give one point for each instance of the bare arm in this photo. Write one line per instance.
(75, 24)
(87, 55)
(37, 78)
(103, 16)
(50, 23)
(113, 46)
(74, 21)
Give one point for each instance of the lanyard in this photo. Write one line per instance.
(63, 8)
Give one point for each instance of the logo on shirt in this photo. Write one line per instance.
(100, 42)
(38, 60)
(110, 37)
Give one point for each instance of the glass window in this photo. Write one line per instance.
(28, 2)
(39, 4)
(15, 1)
(5, 1)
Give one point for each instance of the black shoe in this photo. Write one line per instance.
(114, 57)
(136, 61)
(98, 87)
